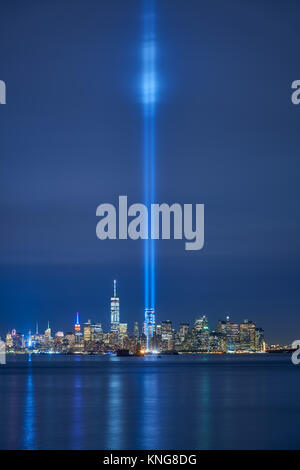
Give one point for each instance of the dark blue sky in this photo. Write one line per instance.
(227, 136)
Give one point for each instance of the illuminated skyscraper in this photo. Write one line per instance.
(115, 311)
(221, 330)
(167, 336)
(77, 324)
(78, 334)
(149, 325)
(247, 335)
(9, 340)
(232, 336)
(18, 341)
(123, 333)
(48, 332)
(183, 331)
(87, 331)
(201, 333)
(97, 332)
(260, 344)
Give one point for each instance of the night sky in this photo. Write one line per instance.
(71, 138)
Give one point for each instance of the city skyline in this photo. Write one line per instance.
(113, 317)
(119, 326)
(89, 337)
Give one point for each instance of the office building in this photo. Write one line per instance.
(115, 312)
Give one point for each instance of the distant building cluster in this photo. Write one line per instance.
(90, 338)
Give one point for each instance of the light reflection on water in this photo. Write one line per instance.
(77, 424)
(130, 403)
(29, 412)
(204, 411)
(150, 432)
(115, 428)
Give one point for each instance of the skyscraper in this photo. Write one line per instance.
(48, 332)
(97, 332)
(149, 325)
(201, 333)
(260, 344)
(77, 324)
(167, 335)
(232, 335)
(115, 311)
(9, 340)
(78, 334)
(87, 331)
(183, 331)
(247, 335)
(123, 333)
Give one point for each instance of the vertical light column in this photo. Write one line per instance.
(149, 98)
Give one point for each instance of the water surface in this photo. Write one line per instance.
(179, 402)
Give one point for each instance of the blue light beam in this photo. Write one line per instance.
(149, 100)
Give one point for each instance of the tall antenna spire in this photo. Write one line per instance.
(115, 288)
(37, 328)
(77, 318)
(48, 324)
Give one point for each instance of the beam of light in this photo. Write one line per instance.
(149, 99)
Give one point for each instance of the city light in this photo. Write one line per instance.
(229, 337)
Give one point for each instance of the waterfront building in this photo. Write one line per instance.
(260, 344)
(247, 335)
(201, 334)
(87, 331)
(214, 342)
(18, 341)
(183, 331)
(122, 333)
(158, 330)
(9, 340)
(48, 332)
(167, 336)
(70, 337)
(232, 336)
(97, 332)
